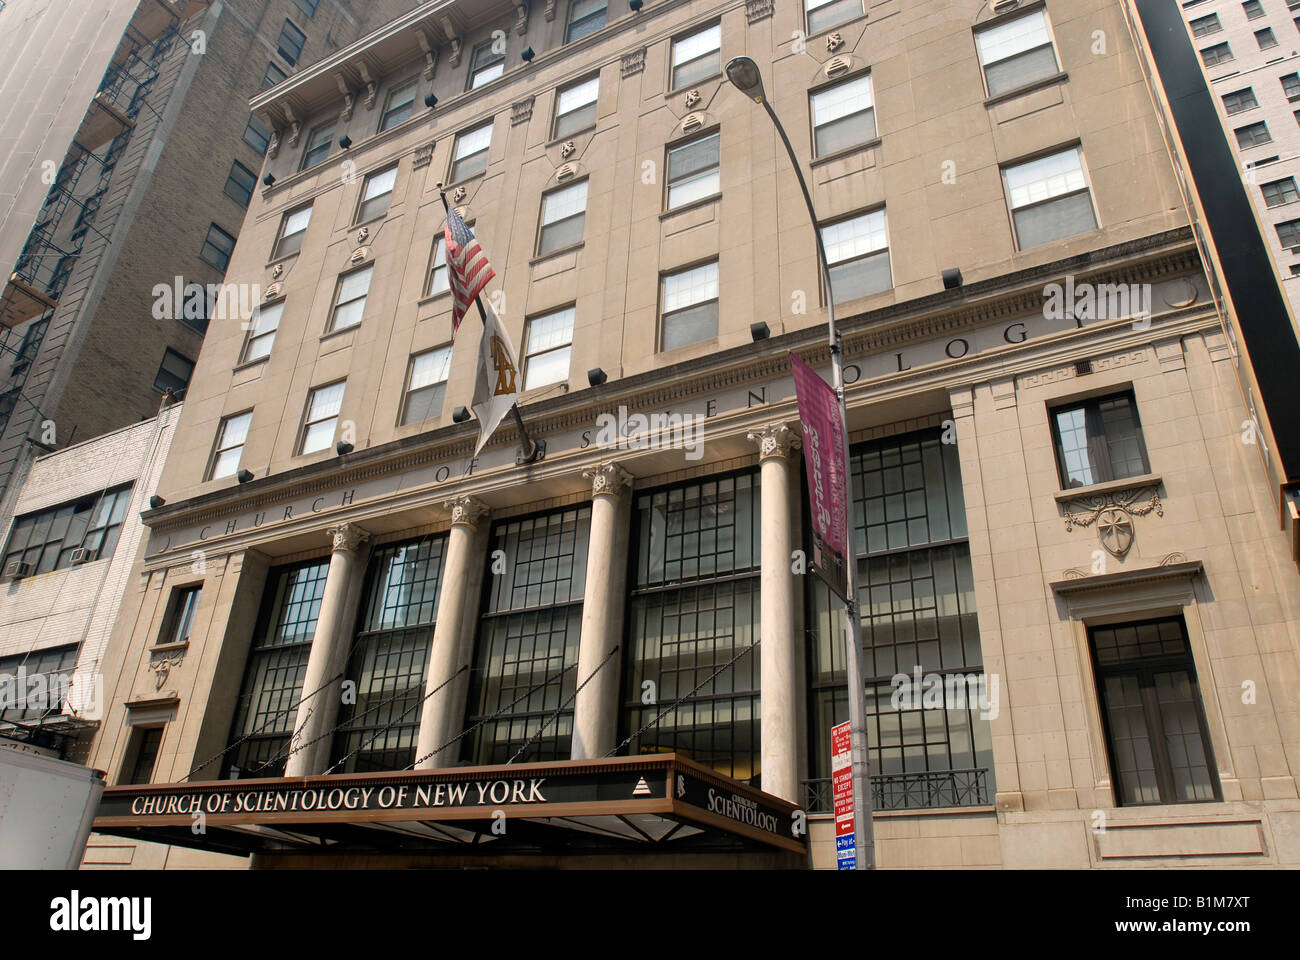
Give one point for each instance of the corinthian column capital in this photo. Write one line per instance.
(348, 537)
(775, 440)
(608, 479)
(466, 511)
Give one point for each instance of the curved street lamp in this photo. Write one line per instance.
(744, 75)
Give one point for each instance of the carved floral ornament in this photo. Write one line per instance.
(162, 666)
(775, 440)
(607, 479)
(833, 42)
(466, 511)
(1113, 513)
(568, 149)
(693, 97)
(458, 195)
(348, 537)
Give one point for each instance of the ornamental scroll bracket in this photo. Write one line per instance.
(1112, 514)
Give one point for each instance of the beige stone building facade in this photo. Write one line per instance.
(1079, 610)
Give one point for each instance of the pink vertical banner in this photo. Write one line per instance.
(826, 466)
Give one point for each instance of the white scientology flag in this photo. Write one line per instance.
(498, 377)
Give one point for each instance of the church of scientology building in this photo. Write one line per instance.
(1079, 605)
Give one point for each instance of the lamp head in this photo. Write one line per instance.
(744, 76)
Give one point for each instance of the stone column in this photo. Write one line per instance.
(780, 649)
(595, 711)
(319, 712)
(441, 716)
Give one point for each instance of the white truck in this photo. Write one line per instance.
(46, 810)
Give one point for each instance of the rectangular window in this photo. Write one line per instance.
(1151, 709)
(217, 247)
(486, 65)
(56, 664)
(319, 144)
(350, 300)
(292, 230)
(437, 281)
(1217, 54)
(690, 306)
(1254, 10)
(525, 662)
(394, 633)
(843, 116)
(1280, 191)
(231, 436)
(267, 708)
(697, 57)
(240, 184)
(399, 106)
(1204, 26)
(564, 213)
(1291, 85)
(1265, 38)
(142, 756)
(693, 611)
(377, 194)
(322, 417)
(291, 42)
(827, 14)
(257, 135)
(308, 6)
(585, 16)
(51, 538)
(272, 76)
(693, 170)
(1015, 53)
(1049, 198)
(857, 251)
(549, 340)
(1098, 440)
(1253, 135)
(1239, 100)
(1289, 234)
(180, 621)
(471, 155)
(916, 596)
(426, 385)
(575, 108)
(173, 373)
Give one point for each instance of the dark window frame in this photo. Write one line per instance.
(244, 194)
(1098, 449)
(289, 29)
(168, 352)
(221, 254)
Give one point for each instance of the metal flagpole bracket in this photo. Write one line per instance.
(526, 456)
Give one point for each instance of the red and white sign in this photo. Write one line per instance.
(842, 795)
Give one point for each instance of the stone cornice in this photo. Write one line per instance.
(748, 364)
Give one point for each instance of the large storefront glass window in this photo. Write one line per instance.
(928, 700)
(694, 608)
(389, 657)
(525, 659)
(277, 660)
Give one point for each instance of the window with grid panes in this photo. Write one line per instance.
(826, 14)
(1156, 736)
(1239, 100)
(524, 671)
(399, 106)
(1280, 191)
(843, 116)
(1254, 9)
(549, 344)
(916, 596)
(1016, 52)
(389, 657)
(471, 154)
(47, 539)
(1291, 85)
(1253, 135)
(689, 307)
(231, 436)
(1204, 26)
(857, 252)
(1265, 38)
(56, 664)
(693, 611)
(1098, 440)
(1049, 198)
(267, 708)
(564, 214)
(426, 385)
(585, 16)
(486, 65)
(575, 108)
(1288, 233)
(697, 56)
(693, 170)
(1217, 54)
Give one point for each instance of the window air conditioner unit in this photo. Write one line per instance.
(17, 569)
(83, 555)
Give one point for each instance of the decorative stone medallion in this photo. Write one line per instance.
(1113, 513)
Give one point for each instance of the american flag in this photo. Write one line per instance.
(468, 269)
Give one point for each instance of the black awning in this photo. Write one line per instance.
(664, 804)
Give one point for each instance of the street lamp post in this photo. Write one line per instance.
(745, 77)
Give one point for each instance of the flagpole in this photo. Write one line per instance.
(533, 450)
